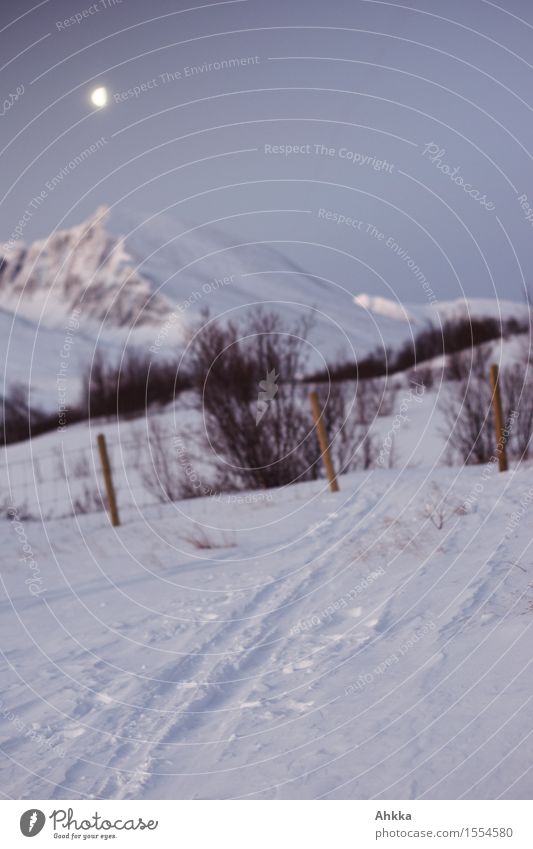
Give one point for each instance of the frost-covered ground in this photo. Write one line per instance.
(370, 643)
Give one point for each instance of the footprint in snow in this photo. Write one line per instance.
(299, 706)
(72, 732)
(295, 667)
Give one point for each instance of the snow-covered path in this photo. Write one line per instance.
(339, 646)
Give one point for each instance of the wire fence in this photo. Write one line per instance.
(156, 465)
(69, 481)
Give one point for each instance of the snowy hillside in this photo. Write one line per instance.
(199, 267)
(369, 644)
(276, 643)
(31, 354)
(53, 473)
(118, 272)
(442, 311)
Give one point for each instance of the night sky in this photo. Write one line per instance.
(339, 128)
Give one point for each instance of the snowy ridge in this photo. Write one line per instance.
(83, 267)
(122, 272)
(443, 310)
(125, 270)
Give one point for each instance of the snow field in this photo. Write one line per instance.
(374, 643)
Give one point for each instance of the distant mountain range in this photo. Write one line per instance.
(125, 276)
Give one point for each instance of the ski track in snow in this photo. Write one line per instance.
(220, 693)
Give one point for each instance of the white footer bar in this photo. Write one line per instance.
(269, 824)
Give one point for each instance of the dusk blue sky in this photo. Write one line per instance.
(379, 81)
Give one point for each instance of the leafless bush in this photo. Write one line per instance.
(59, 463)
(81, 466)
(21, 420)
(260, 441)
(517, 391)
(438, 507)
(375, 397)
(457, 366)
(88, 501)
(129, 386)
(77, 473)
(156, 461)
(256, 410)
(351, 444)
(423, 376)
(468, 412)
(457, 333)
(388, 397)
(168, 463)
(201, 540)
(473, 361)
(19, 511)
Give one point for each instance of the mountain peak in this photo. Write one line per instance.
(83, 267)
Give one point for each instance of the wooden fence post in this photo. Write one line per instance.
(501, 451)
(108, 480)
(323, 442)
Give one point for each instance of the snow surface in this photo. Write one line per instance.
(327, 645)
(295, 643)
(51, 475)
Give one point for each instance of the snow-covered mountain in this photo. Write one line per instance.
(84, 267)
(131, 271)
(416, 314)
(126, 274)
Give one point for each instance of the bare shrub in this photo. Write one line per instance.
(259, 442)
(167, 462)
(391, 454)
(517, 391)
(457, 333)
(388, 397)
(473, 361)
(81, 466)
(375, 397)
(156, 461)
(21, 420)
(457, 366)
(257, 415)
(59, 464)
(130, 386)
(88, 501)
(20, 511)
(423, 376)
(201, 540)
(468, 412)
(351, 444)
(438, 507)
